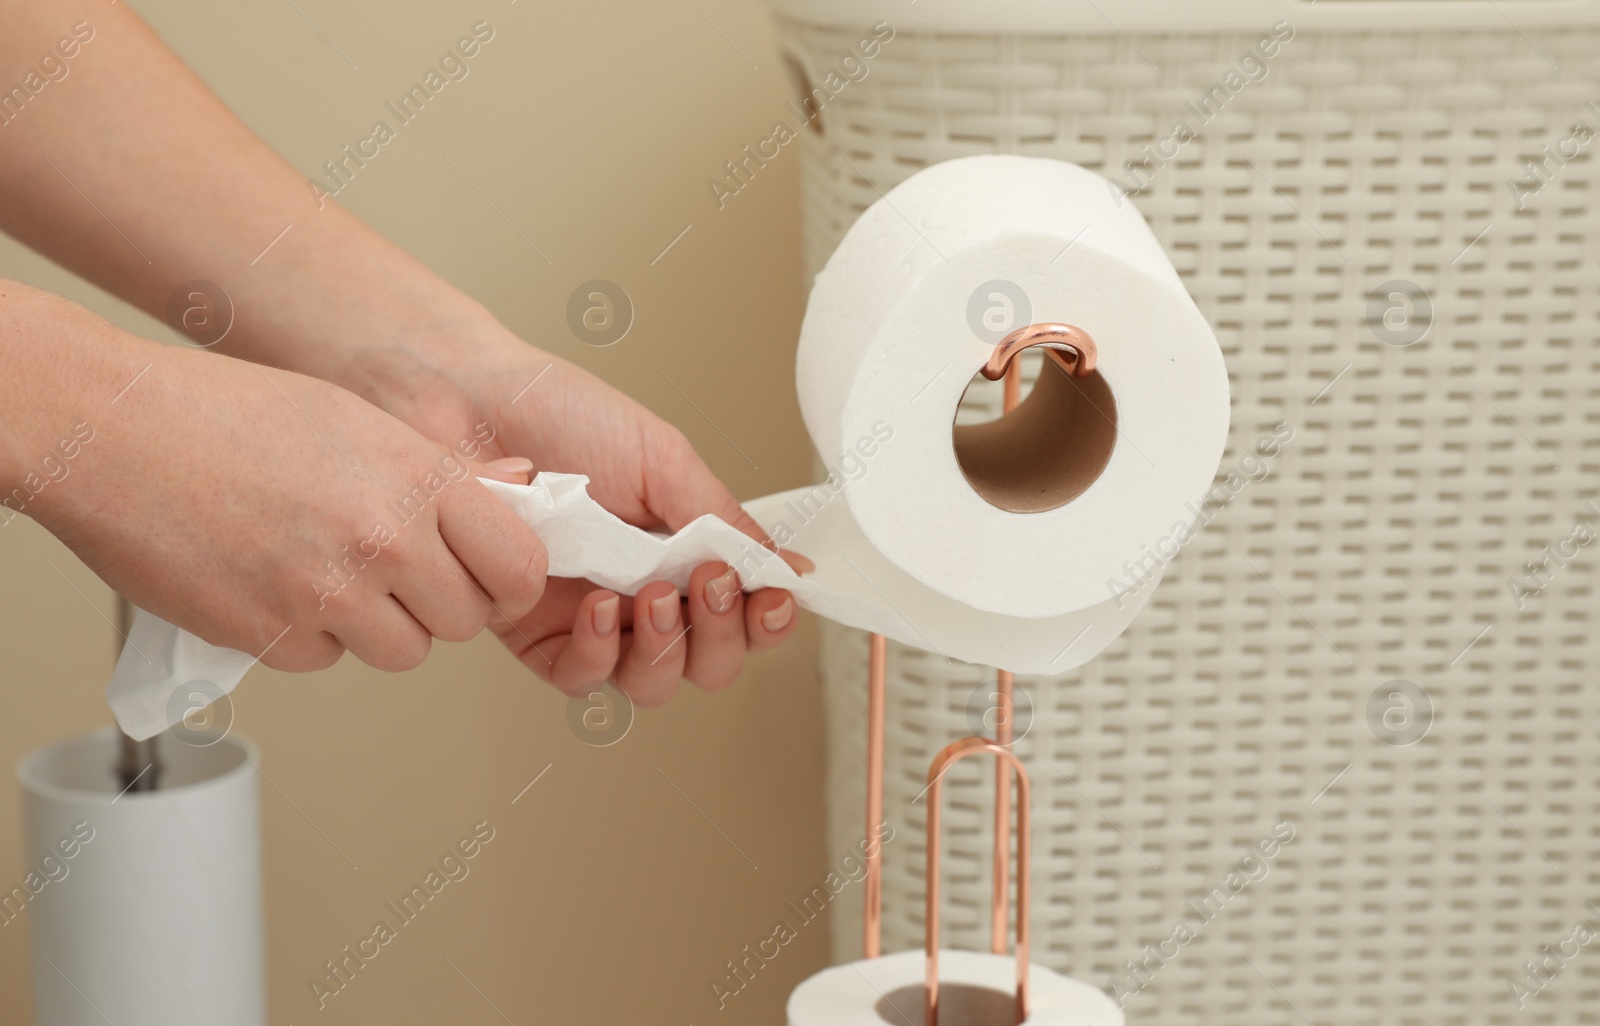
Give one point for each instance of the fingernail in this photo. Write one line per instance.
(721, 591)
(777, 619)
(664, 612)
(512, 465)
(605, 615)
(799, 563)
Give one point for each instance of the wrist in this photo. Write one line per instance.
(442, 381)
(332, 292)
(70, 383)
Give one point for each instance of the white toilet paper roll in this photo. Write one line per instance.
(1004, 544)
(896, 329)
(975, 988)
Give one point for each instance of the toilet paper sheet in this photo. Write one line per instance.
(852, 584)
(909, 540)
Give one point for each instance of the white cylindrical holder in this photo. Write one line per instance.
(148, 904)
(976, 989)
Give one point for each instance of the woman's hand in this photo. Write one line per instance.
(279, 514)
(580, 635)
(476, 373)
(333, 300)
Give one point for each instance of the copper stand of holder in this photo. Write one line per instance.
(941, 764)
(877, 673)
(1074, 353)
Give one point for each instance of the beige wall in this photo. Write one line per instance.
(605, 897)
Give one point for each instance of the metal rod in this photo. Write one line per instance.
(1004, 713)
(941, 765)
(1013, 386)
(877, 677)
(1002, 820)
(138, 762)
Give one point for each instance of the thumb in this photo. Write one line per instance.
(700, 492)
(681, 488)
(503, 554)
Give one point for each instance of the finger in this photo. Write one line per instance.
(443, 597)
(503, 554)
(652, 664)
(589, 654)
(303, 652)
(681, 487)
(538, 639)
(383, 635)
(769, 618)
(798, 563)
(716, 645)
(510, 469)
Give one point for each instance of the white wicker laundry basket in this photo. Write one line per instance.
(1351, 222)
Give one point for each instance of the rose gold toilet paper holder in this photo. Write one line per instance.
(1074, 353)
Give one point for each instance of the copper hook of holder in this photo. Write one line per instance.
(1070, 347)
(952, 754)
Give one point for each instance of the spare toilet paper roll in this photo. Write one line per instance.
(1028, 543)
(875, 991)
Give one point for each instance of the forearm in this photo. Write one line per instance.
(142, 189)
(66, 383)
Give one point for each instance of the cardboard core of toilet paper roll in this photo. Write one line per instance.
(1048, 450)
(960, 1004)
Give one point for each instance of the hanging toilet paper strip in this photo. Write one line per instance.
(1006, 543)
(852, 584)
